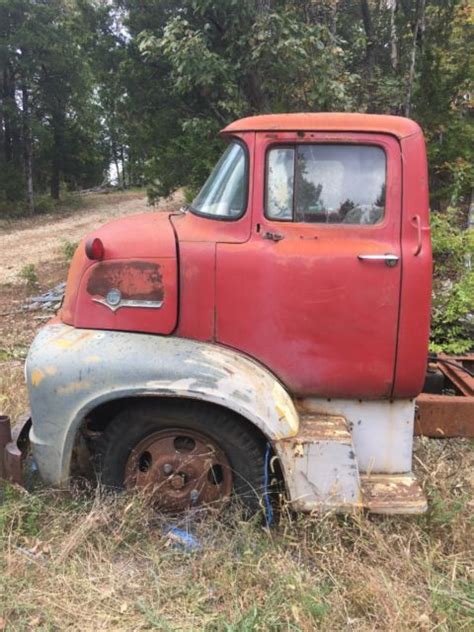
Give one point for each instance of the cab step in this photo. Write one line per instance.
(322, 472)
(392, 494)
(322, 464)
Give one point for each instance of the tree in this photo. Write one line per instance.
(46, 100)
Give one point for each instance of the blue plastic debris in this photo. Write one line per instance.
(183, 539)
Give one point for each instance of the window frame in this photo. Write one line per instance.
(293, 145)
(223, 218)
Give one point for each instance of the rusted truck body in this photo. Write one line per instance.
(285, 312)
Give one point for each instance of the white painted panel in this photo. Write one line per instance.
(382, 431)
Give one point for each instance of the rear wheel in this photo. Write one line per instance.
(183, 455)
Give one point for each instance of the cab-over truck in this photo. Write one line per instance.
(286, 309)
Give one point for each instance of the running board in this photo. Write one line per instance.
(322, 473)
(392, 494)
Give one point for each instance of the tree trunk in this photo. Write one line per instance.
(116, 163)
(58, 147)
(263, 6)
(393, 36)
(124, 171)
(28, 149)
(420, 18)
(333, 26)
(369, 34)
(7, 115)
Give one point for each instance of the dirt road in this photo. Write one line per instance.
(41, 240)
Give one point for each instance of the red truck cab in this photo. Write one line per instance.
(306, 254)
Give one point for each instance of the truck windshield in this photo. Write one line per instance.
(224, 193)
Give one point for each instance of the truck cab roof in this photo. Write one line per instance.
(397, 126)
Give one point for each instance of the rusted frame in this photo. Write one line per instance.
(459, 378)
(11, 456)
(448, 415)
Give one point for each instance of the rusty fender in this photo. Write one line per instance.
(71, 371)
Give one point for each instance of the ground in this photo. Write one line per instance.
(84, 561)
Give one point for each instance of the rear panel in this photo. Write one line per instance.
(415, 298)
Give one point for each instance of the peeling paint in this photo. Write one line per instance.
(319, 464)
(68, 342)
(283, 409)
(73, 387)
(135, 280)
(393, 494)
(36, 376)
(140, 365)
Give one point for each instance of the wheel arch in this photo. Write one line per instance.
(99, 417)
(73, 372)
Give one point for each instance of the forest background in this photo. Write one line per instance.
(140, 88)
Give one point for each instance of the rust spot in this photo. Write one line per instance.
(36, 377)
(440, 415)
(392, 493)
(444, 416)
(319, 427)
(73, 387)
(72, 341)
(136, 280)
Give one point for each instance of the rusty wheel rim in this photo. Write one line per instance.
(179, 469)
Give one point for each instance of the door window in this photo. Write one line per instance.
(330, 184)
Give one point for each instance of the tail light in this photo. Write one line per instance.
(95, 249)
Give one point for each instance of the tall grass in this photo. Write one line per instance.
(79, 561)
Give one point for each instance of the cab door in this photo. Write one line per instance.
(314, 293)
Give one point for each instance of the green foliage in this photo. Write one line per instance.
(145, 87)
(44, 204)
(453, 283)
(443, 99)
(51, 128)
(28, 273)
(69, 248)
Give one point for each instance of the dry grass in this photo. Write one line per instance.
(86, 562)
(90, 562)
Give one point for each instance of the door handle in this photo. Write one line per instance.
(272, 236)
(416, 219)
(390, 260)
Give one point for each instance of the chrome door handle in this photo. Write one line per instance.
(272, 236)
(390, 260)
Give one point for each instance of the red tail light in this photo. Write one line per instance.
(95, 249)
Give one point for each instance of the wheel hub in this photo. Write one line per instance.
(180, 469)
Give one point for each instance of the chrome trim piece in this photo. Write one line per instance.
(129, 303)
(378, 257)
(389, 259)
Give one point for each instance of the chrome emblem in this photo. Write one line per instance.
(113, 297)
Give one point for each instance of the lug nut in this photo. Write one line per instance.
(167, 468)
(177, 482)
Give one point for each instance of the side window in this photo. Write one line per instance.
(330, 184)
(280, 182)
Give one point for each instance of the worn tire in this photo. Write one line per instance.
(242, 447)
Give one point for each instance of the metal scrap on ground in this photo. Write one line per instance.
(49, 301)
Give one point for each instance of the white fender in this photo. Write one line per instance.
(71, 371)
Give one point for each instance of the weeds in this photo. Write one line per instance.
(69, 248)
(93, 561)
(28, 273)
